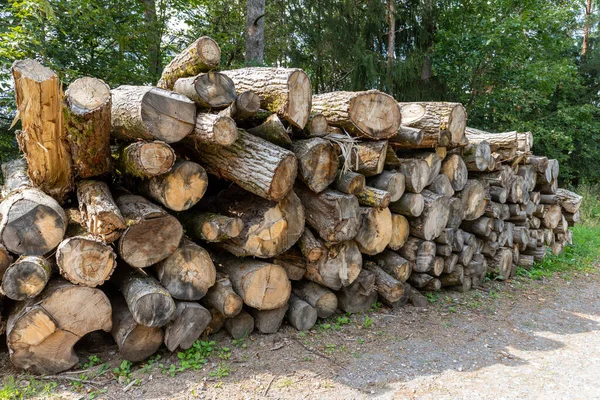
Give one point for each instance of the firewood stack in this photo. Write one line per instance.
(237, 200)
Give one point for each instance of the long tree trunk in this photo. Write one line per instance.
(153, 38)
(391, 44)
(255, 32)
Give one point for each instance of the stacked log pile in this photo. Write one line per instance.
(239, 200)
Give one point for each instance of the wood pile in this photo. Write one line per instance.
(237, 200)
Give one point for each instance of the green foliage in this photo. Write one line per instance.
(123, 371)
(25, 388)
(368, 322)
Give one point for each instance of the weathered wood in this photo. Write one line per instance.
(442, 186)
(551, 215)
(454, 278)
(477, 156)
(420, 280)
(86, 113)
(300, 314)
(149, 113)
(188, 323)
(368, 158)
(372, 197)
(501, 263)
(240, 326)
(375, 231)
(285, 91)
(455, 169)
(322, 299)
(222, 298)
(245, 106)
(568, 200)
(400, 231)
(188, 273)
(317, 163)
(310, 246)
(293, 262)
(261, 285)
(151, 235)
(473, 198)
(202, 55)
(406, 138)
(272, 130)
(339, 267)
(39, 102)
(416, 174)
(410, 205)
(317, 126)
(389, 181)
(333, 215)
(434, 218)
(99, 212)
(394, 264)
(389, 289)
(268, 321)
(360, 295)
(435, 119)
(348, 182)
(371, 114)
(42, 331)
(212, 129)
(207, 90)
(211, 227)
(256, 165)
(481, 226)
(32, 223)
(144, 159)
(26, 277)
(498, 194)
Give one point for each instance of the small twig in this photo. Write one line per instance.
(257, 19)
(129, 385)
(318, 354)
(268, 387)
(68, 378)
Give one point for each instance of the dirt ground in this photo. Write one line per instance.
(521, 339)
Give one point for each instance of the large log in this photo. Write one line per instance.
(349, 182)
(371, 114)
(394, 264)
(212, 129)
(400, 231)
(188, 273)
(434, 218)
(144, 159)
(268, 321)
(256, 165)
(222, 298)
(339, 267)
(375, 231)
(504, 145)
(406, 138)
(26, 277)
(86, 113)
(99, 212)
(389, 289)
(322, 299)
(151, 235)
(211, 227)
(410, 205)
(179, 189)
(136, 342)
(245, 106)
(390, 181)
(455, 169)
(360, 295)
(207, 90)
(317, 163)
(261, 285)
(285, 91)
(32, 223)
(333, 215)
(473, 198)
(568, 200)
(270, 227)
(149, 113)
(202, 55)
(435, 118)
(42, 331)
(300, 314)
(188, 323)
(42, 138)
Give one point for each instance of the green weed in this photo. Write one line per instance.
(368, 322)
(25, 388)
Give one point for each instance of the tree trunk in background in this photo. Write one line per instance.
(391, 44)
(255, 32)
(153, 38)
(586, 29)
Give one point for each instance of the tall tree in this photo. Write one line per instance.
(255, 32)
(586, 28)
(153, 39)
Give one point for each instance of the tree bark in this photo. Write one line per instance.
(360, 295)
(272, 130)
(410, 205)
(390, 181)
(293, 262)
(389, 289)
(212, 129)
(188, 323)
(317, 163)
(348, 182)
(300, 314)
(144, 159)
(436, 119)
(255, 32)
(222, 298)
(268, 321)
(322, 299)
(372, 197)
(207, 90)
(310, 246)
(395, 265)
(99, 212)
(212, 227)
(245, 106)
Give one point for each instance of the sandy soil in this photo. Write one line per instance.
(522, 339)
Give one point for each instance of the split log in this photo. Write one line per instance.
(360, 295)
(372, 197)
(310, 246)
(150, 304)
(144, 159)
(317, 163)
(268, 321)
(188, 273)
(272, 130)
(416, 174)
(39, 102)
(339, 267)
(450, 263)
(375, 231)
(293, 262)
(400, 231)
(455, 213)
(212, 129)
(433, 118)
(270, 227)
(389, 289)
(285, 91)
(149, 113)
(389, 181)
(261, 285)
(317, 126)
(222, 298)
(32, 223)
(368, 158)
(551, 215)
(189, 321)
(333, 215)
(42, 331)
(406, 138)
(348, 182)
(86, 113)
(473, 198)
(410, 205)
(300, 314)
(151, 235)
(99, 212)
(442, 186)
(322, 299)
(434, 164)
(212, 227)
(240, 326)
(392, 263)
(202, 55)
(26, 277)
(477, 156)
(179, 189)
(207, 90)
(253, 163)
(371, 114)
(455, 169)
(245, 106)
(434, 218)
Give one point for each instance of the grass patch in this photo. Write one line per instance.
(25, 388)
(582, 256)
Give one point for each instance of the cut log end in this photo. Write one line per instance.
(299, 99)
(383, 115)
